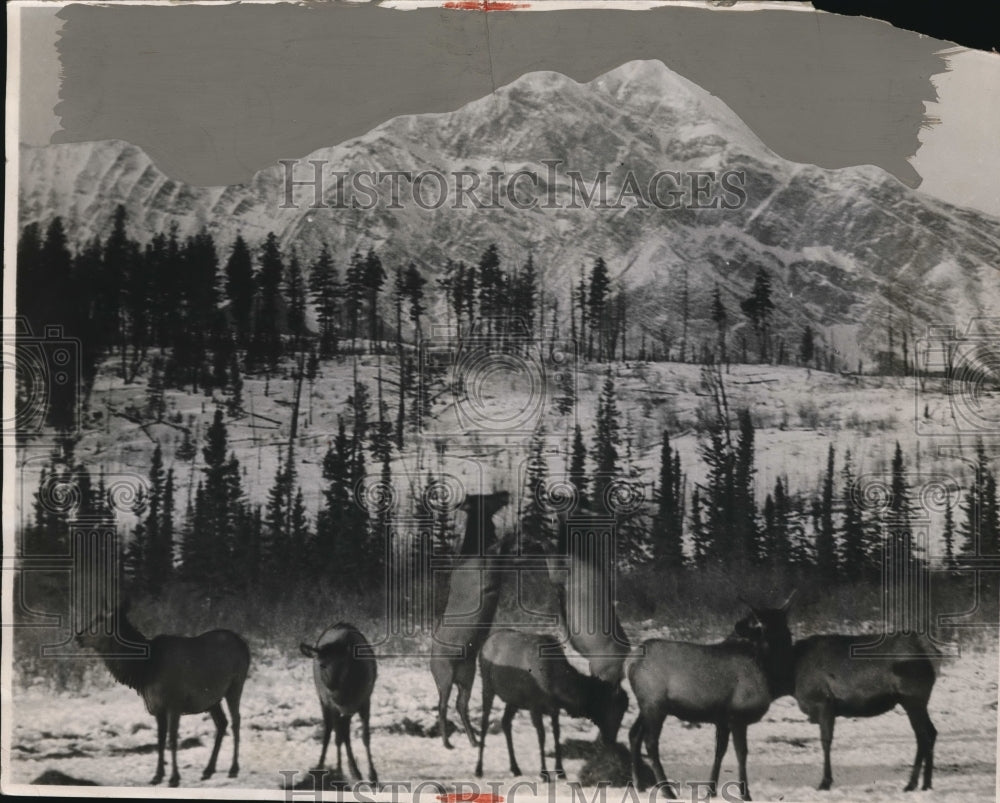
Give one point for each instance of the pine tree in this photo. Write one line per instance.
(267, 324)
(240, 288)
(606, 443)
(276, 536)
(597, 300)
(667, 535)
(374, 277)
(413, 287)
(578, 469)
(354, 293)
(744, 510)
(949, 537)
(758, 307)
(854, 556)
(324, 286)
(295, 292)
(826, 546)
(899, 531)
(704, 548)
(807, 348)
(537, 532)
(160, 553)
(721, 320)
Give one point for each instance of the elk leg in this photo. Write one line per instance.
(652, 739)
(740, 745)
(560, 772)
(233, 701)
(221, 722)
(444, 678)
(365, 712)
(721, 745)
(485, 723)
(536, 720)
(344, 736)
(635, 748)
(327, 730)
(161, 743)
(173, 724)
(465, 678)
(505, 723)
(826, 719)
(926, 734)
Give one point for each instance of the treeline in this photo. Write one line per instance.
(842, 529)
(221, 310)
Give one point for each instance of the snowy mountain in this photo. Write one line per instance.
(849, 250)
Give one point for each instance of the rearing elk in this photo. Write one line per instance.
(473, 594)
(179, 675)
(730, 684)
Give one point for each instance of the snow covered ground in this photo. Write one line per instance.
(102, 734)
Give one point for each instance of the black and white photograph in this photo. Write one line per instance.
(474, 400)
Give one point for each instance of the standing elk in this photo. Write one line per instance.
(829, 683)
(730, 685)
(531, 671)
(473, 595)
(178, 675)
(344, 672)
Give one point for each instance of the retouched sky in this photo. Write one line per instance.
(775, 89)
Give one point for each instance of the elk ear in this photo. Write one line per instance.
(788, 602)
(307, 651)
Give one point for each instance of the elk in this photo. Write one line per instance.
(344, 672)
(585, 595)
(729, 684)
(531, 671)
(178, 675)
(473, 594)
(829, 683)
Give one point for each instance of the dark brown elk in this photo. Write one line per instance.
(473, 595)
(730, 685)
(582, 578)
(344, 670)
(178, 675)
(829, 683)
(531, 672)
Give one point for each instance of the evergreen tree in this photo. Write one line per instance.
(854, 556)
(949, 537)
(276, 538)
(537, 532)
(354, 293)
(324, 286)
(240, 288)
(267, 325)
(744, 510)
(374, 277)
(597, 300)
(578, 469)
(668, 534)
(606, 443)
(981, 527)
(413, 287)
(807, 349)
(704, 548)
(899, 531)
(721, 320)
(758, 307)
(296, 300)
(826, 546)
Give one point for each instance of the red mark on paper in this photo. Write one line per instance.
(484, 5)
(470, 797)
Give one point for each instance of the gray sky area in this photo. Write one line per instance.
(214, 93)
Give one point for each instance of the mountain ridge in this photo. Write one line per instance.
(852, 247)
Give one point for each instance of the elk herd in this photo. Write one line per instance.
(729, 684)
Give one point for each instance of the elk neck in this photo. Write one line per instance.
(131, 672)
